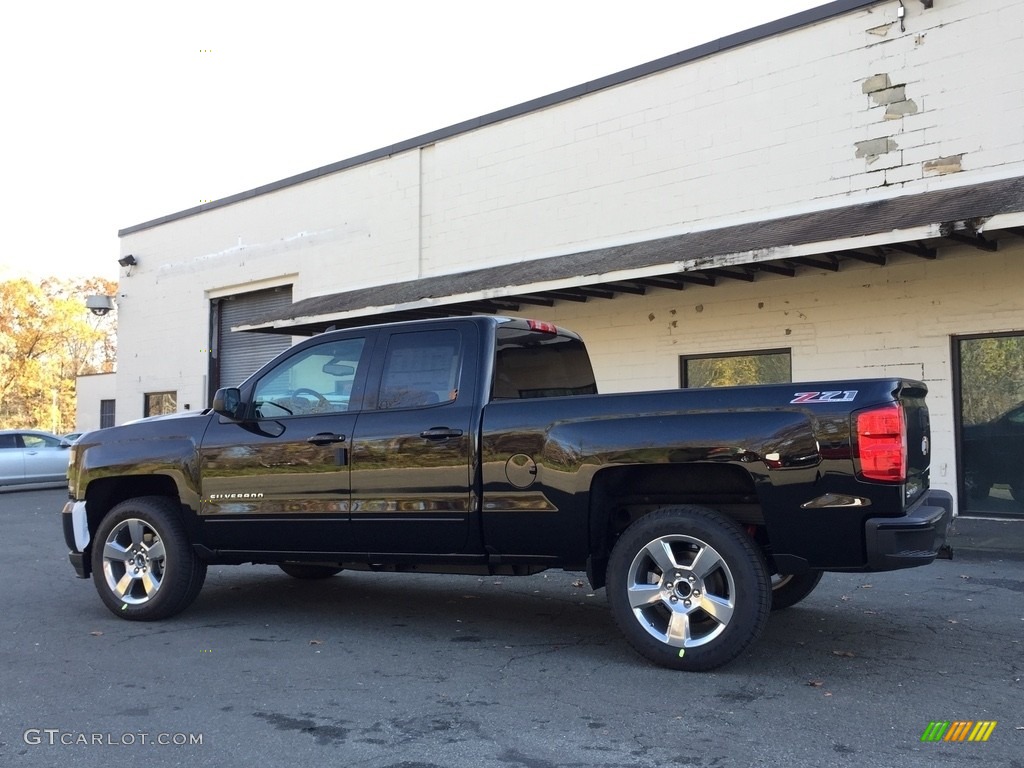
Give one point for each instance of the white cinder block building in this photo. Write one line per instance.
(838, 194)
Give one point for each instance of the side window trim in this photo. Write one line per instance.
(357, 397)
(373, 392)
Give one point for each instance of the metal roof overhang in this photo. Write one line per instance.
(914, 226)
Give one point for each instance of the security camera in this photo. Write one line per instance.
(128, 261)
(99, 305)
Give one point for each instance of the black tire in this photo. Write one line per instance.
(688, 571)
(790, 589)
(142, 563)
(303, 571)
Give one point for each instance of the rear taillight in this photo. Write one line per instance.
(882, 443)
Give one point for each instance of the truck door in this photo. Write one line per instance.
(278, 480)
(413, 449)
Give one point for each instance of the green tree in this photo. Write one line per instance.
(47, 339)
(992, 376)
(738, 370)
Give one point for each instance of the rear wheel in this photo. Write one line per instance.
(303, 571)
(688, 588)
(143, 565)
(790, 589)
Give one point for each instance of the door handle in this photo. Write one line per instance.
(326, 438)
(440, 433)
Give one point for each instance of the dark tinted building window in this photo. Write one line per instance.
(106, 413)
(990, 412)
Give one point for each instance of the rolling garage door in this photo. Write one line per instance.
(236, 355)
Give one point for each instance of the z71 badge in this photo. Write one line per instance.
(839, 396)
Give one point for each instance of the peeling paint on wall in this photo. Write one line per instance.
(883, 153)
(872, 148)
(943, 165)
(875, 83)
(889, 95)
(893, 97)
(898, 109)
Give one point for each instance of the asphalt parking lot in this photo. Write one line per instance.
(413, 671)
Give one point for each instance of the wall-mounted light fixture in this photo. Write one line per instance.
(99, 305)
(128, 261)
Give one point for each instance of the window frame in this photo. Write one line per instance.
(305, 351)
(108, 413)
(684, 359)
(509, 339)
(966, 506)
(381, 369)
(146, 404)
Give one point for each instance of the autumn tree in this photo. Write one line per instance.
(991, 376)
(47, 339)
(738, 370)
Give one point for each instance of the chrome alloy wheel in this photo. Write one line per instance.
(133, 561)
(681, 591)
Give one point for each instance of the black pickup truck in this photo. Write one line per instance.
(480, 445)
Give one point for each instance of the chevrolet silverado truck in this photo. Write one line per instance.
(480, 445)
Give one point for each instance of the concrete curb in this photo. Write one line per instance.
(982, 538)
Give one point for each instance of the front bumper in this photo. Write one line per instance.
(76, 536)
(914, 539)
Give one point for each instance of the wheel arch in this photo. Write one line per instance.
(103, 494)
(619, 496)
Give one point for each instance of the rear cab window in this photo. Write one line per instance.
(531, 363)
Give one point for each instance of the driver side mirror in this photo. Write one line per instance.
(228, 402)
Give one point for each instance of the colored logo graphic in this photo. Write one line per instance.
(958, 730)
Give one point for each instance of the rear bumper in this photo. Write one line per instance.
(914, 539)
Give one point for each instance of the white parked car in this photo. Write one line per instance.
(32, 458)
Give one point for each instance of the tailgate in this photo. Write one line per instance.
(912, 395)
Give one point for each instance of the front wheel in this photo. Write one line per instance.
(790, 589)
(143, 566)
(688, 588)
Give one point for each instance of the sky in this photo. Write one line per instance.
(122, 111)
